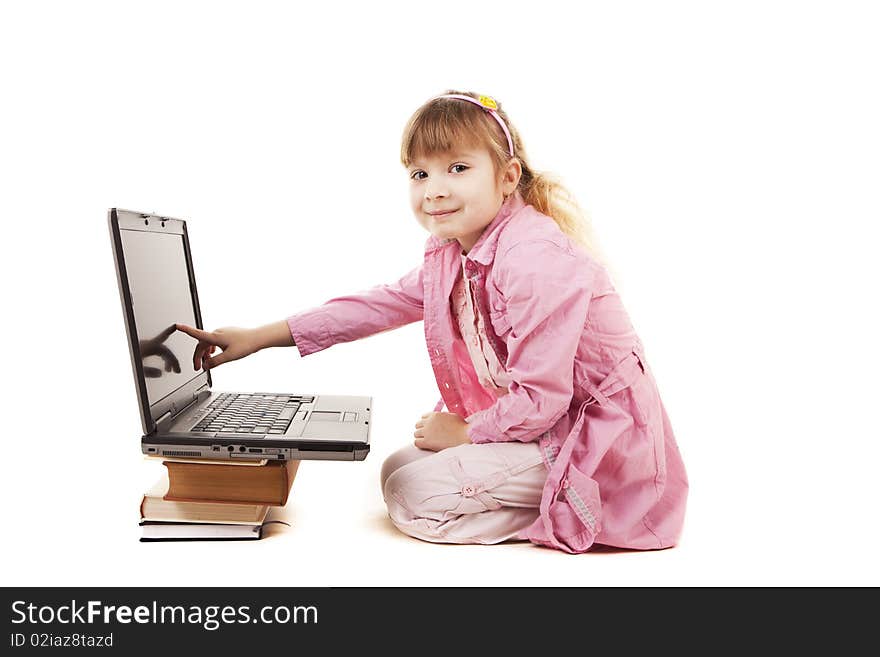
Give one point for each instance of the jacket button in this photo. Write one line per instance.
(468, 491)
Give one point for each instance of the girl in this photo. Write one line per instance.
(555, 431)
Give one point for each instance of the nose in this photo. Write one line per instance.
(435, 189)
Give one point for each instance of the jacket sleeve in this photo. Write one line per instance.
(359, 315)
(547, 289)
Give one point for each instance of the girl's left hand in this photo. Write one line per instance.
(437, 431)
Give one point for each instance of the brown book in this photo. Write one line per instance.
(217, 482)
(155, 507)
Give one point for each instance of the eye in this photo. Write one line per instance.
(415, 175)
(463, 168)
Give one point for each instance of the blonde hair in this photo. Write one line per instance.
(443, 124)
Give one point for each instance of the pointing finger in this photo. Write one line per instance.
(199, 334)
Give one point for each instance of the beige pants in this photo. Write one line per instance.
(467, 494)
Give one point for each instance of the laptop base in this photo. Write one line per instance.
(227, 449)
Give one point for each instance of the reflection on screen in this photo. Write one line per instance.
(160, 294)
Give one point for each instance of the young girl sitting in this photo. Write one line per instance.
(554, 430)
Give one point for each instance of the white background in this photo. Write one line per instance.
(728, 156)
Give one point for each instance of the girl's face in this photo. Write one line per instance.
(457, 194)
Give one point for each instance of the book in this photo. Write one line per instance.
(266, 483)
(155, 508)
(183, 531)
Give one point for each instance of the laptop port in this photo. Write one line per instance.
(242, 448)
(255, 450)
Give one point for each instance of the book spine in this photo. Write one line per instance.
(268, 484)
(224, 484)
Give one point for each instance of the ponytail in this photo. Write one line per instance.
(549, 196)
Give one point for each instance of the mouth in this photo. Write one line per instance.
(441, 214)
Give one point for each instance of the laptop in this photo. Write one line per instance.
(181, 414)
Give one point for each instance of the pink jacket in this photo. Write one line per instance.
(581, 385)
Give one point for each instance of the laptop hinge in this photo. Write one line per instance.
(189, 403)
(169, 415)
(162, 420)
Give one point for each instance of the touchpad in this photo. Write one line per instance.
(334, 426)
(325, 416)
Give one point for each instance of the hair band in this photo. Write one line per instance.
(488, 104)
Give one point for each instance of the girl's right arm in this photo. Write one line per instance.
(341, 319)
(359, 315)
(235, 342)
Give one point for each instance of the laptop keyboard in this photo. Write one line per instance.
(250, 413)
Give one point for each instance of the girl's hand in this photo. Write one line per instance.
(235, 342)
(437, 431)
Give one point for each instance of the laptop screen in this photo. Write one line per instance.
(158, 281)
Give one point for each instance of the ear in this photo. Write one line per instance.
(510, 176)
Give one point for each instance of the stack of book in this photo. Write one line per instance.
(214, 500)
